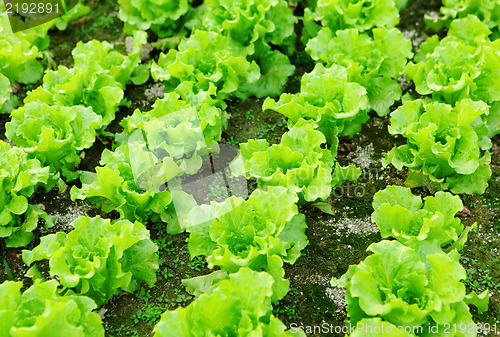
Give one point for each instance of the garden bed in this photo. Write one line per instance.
(336, 240)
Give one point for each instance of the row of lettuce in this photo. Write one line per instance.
(237, 50)
(413, 285)
(100, 258)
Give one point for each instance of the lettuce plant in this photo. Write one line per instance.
(300, 162)
(207, 58)
(399, 214)
(328, 98)
(75, 86)
(113, 188)
(249, 22)
(98, 258)
(21, 53)
(204, 58)
(99, 57)
(255, 24)
(237, 233)
(373, 62)
(164, 17)
(54, 135)
(487, 11)
(19, 59)
(61, 116)
(171, 140)
(447, 146)
(41, 311)
(5, 94)
(173, 117)
(97, 80)
(19, 177)
(465, 64)
(361, 15)
(238, 306)
(409, 287)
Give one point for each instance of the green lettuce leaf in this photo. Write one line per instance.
(326, 97)
(19, 178)
(156, 149)
(488, 11)
(235, 234)
(249, 21)
(165, 18)
(465, 64)
(299, 162)
(54, 135)
(408, 287)
(373, 62)
(239, 305)
(361, 15)
(98, 258)
(41, 311)
(444, 145)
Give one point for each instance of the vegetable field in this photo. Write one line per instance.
(250, 168)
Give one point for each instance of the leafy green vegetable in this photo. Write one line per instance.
(238, 306)
(19, 57)
(374, 63)
(465, 64)
(61, 117)
(19, 177)
(99, 58)
(54, 134)
(97, 80)
(407, 286)
(171, 140)
(204, 58)
(399, 214)
(444, 146)
(98, 258)
(186, 131)
(488, 11)
(298, 163)
(76, 12)
(326, 97)
(40, 311)
(76, 86)
(275, 69)
(207, 58)
(259, 233)
(257, 22)
(164, 17)
(361, 15)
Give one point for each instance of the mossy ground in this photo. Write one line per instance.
(335, 241)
